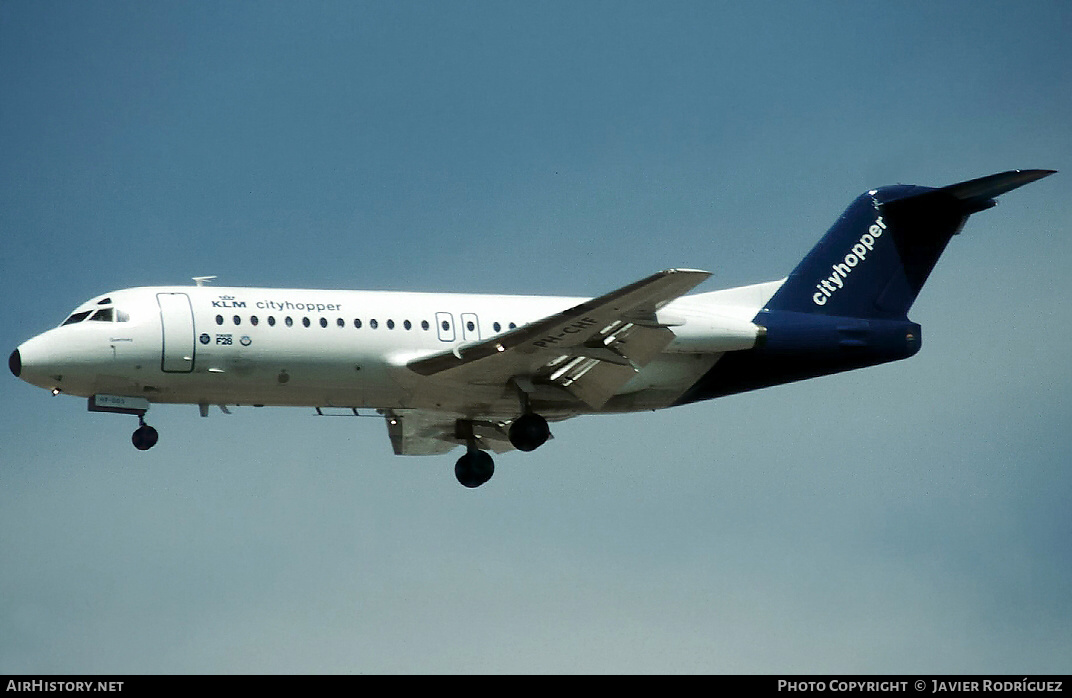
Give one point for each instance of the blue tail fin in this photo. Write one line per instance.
(874, 260)
(845, 306)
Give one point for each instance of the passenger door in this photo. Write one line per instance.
(177, 333)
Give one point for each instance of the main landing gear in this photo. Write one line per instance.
(474, 468)
(527, 433)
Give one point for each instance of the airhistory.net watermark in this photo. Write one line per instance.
(62, 686)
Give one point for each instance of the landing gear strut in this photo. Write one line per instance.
(476, 467)
(144, 436)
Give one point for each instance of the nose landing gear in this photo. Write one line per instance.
(144, 437)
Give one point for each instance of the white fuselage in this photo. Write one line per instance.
(321, 348)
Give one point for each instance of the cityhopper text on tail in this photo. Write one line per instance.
(490, 372)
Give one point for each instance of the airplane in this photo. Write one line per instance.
(490, 372)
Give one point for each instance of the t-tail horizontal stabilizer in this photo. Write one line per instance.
(978, 194)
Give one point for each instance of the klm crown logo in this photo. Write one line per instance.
(228, 302)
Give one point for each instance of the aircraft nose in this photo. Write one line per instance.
(14, 362)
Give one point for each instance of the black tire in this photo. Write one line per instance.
(474, 469)
(144, 437)
(529, 432)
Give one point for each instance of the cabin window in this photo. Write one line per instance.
(340, 322)
(237, 320)
(373, 324)
(253, 320)
(424, 325)
(513, 326)
(407, 324)
(219, 319)
(496, 326)
(357, 323)
(323, 322)
(390, 324)
(305, 321)
(271, 320)
(470, 326)
(446, 325)
(289, 321)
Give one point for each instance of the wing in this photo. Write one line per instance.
(591, 349)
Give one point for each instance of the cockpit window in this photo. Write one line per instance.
(109, 314)
(77, 317)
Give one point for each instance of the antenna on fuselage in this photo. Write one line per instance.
(202, 280)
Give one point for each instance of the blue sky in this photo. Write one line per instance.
(906, 518)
